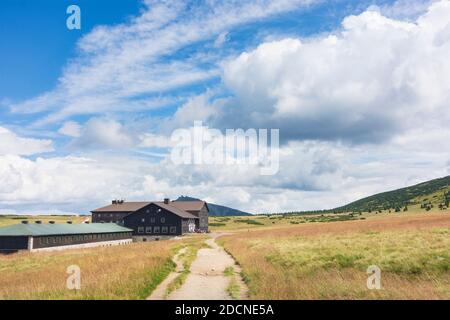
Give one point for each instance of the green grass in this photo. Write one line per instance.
(229, 271)
(398, 252)
(234, 289)
(152, 279)
(217, 224)
(177, 282)
(249, 221)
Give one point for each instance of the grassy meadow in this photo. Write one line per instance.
(248, 223)
(318, 260)
(118, 272)
(281, 257)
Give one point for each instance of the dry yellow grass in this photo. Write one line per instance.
(329, 260)
(119, 272)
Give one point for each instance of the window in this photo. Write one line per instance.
(163, 220)
(164, 229)
(156, 230)
(143, 220)
(140, 229)
(152, 219)
(147, 211)
(173, 229)
(148, 230)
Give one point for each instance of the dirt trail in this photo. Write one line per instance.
(206, 280)
(160, 291)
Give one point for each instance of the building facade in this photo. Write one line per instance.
(47, 237)
(157, 219)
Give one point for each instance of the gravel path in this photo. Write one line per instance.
(207, 280)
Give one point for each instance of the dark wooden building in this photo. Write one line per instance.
(156, 219)
(44, 237)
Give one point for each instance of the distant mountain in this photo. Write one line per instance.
(217, 210)
(434, 192)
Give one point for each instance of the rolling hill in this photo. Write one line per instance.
(426, 195)
(434, 192)
(217, 210)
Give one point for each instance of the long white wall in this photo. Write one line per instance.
(85, 245)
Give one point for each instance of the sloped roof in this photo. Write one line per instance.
(35, 229)
(175, 210)
(180, 208)
(123, 207)
(188, 205)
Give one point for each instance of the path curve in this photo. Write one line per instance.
(160, 291)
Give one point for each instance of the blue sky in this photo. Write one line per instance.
(105, 99)
(39, 44)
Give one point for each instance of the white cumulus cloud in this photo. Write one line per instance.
(374, 78)
(11, 143)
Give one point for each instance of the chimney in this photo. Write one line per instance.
(24, 222)
(51, 222)
(166, 200)
(38, 222)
